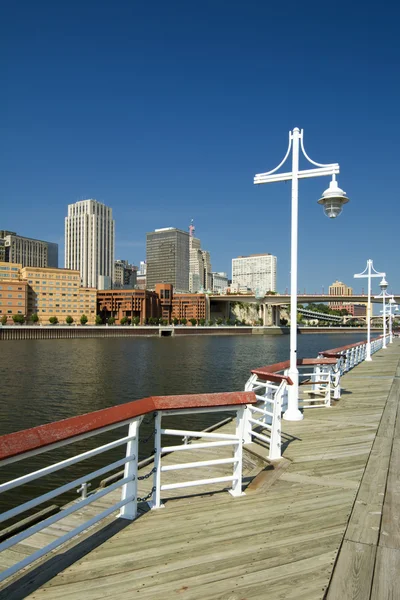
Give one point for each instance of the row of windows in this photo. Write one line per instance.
(10, 295)
(51, 276)
(11, 303)
(10, 287)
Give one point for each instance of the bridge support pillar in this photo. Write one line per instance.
(276, 310)
(268, 317)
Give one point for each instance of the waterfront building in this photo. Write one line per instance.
(256, 272)
(89, 241)
(58, 293)
(189, 306)
(128, 303)
(167, 258)
(146, 304)
(26, 251)
(13, 291)
(219, 282)
(125, 275)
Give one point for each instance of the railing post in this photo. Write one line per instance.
(129, 510)
(336, 379)
(238, 455)
(275, 444)
(156, 499)
(326, 374)
(247, 426)
(315, 377)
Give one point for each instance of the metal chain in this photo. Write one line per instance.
(148, 421)
(149, 495)
(141, 477)
(145, 440)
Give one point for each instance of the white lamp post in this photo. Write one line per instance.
(392, 307)
(332, 200)
(383, 285)
(369, 272)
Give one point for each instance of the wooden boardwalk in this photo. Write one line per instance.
(324, 522)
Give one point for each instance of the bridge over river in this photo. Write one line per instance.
(270, 305)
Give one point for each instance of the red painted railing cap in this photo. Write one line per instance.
(20, 442)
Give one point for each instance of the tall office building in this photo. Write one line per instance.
(125, 275)
(257, 272)
(219, 282)
(89, 241)
(27, 251)
(167, 258)
(200, 272)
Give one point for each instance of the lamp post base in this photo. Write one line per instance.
(368, 358)
(293, 415)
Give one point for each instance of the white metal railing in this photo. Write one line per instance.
(349, 357)
(126, 502)
(209, 441)
(263, 420)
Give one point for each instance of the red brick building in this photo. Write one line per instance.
(162, 303)
(127, 303)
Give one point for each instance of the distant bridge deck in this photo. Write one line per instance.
(321, 523)
(284, 299)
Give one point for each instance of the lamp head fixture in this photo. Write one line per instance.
(333, 199)
(383, 284)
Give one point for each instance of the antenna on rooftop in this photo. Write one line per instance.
(191, 228)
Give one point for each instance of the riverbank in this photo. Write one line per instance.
(51, 332)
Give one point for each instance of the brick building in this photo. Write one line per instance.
(128, 303)
(58, 293)
(145, 304)
(13, 293)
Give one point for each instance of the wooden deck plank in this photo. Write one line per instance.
(352, 577)
(387, 575)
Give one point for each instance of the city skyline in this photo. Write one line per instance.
(168, 121)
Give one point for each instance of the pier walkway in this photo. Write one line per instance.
(323, 522)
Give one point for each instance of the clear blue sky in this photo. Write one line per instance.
(166, 110)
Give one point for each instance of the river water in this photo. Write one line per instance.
(48, 380)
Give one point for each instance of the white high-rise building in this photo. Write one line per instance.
(256, 272)
(89, 241)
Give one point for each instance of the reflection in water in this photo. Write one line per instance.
(49, 380)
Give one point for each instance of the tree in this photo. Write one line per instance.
(84, 320)
(98, 320)
(135, 320)
(53, 320)
(69, 320)
(111, 320)
(219, 321)
(175, 321)
(193, 322)
(34, 318)
(4, 320)
(211, 322)
(18, 319)
(123, 320)
(202, 322)
(183, 321)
